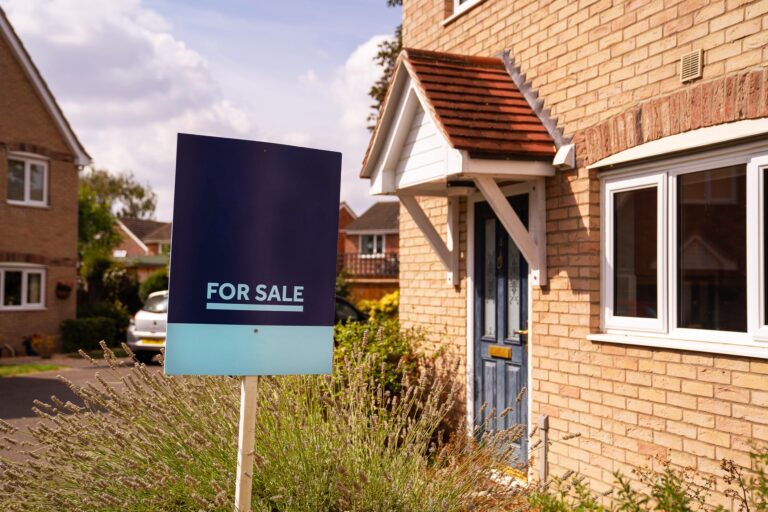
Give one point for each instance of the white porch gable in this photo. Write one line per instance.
(469, 129)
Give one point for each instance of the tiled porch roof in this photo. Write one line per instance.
(477, 105)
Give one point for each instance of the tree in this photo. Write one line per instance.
(96, 235)
(121, 193)
(386, 58)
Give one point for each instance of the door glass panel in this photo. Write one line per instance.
(635, 255)
(513, 289)
(15, 180)
(489, 294)
(34, 282)
(36, 182)
(712, 256)
(12, 288)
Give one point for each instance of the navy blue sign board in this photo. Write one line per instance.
(253, 260)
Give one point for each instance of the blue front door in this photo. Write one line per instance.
(501, 317)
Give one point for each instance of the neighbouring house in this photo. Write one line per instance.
(145, 245)
(346, 215)
(370, 253)
(40, 157)
(583, 212)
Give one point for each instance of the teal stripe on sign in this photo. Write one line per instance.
(208, 349)
(253, 307)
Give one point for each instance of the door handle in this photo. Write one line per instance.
(523, 332)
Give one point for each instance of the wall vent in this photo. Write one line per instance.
(690, 66)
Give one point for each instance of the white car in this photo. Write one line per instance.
(146, 330)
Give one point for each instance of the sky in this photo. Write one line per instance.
(130, 74)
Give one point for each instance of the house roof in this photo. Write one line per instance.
(142, 227)
(382, 216)
(17, 47)
(161, 234)
(476, 104)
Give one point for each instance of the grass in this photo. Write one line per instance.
(12, 370)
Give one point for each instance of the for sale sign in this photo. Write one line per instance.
(253, 258)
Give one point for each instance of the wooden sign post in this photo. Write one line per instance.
(249, 394)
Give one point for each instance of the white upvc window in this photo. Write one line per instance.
(22, 287)
(27, 181)
(460, 6)
(684, 253)
(371, 245)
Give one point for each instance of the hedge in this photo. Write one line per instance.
(86, 333)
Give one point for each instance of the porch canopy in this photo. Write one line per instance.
(452, 125)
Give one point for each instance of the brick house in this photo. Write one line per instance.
(582, 190)
(40, 157)
(370, 252)
(145, 245)
(346, 215)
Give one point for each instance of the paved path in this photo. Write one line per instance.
(18, 393)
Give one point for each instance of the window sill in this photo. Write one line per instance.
(20, 309)
(28, 205)
(754, 349)
(453, 17)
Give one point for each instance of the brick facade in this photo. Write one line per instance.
(609, 72)
(43, 236)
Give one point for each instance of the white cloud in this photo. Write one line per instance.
(126, 84)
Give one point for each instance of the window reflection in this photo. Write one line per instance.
(712, 282)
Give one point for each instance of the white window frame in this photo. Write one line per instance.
(28, 160)
(754, 342)
(460, 7)
(25, 270)
(610, 189)
(373, 254)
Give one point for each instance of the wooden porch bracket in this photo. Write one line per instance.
(532, 246)
(447, 252)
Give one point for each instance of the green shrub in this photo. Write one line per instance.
(323, 443)
(385, 308)
(667, 489)
(342, 284)
(393, 350)
(86, 333)
(156, 281)
(115, 311)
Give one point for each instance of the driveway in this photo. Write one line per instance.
(17, 394)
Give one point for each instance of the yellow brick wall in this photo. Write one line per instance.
(597, 64)
(46, 236)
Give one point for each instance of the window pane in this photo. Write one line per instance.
(366, 244)
(513, 289)
(34, 283)
(635, 253)
(379, 244)
(712, 256)
(36, 182)
(15, 180)
(489, 297)
(12, 288)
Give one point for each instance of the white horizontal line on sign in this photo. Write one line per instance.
(253, 307)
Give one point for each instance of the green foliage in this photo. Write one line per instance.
(386, 57)
(156, 281)
(323, 443)
(11, 370)
(121, 285)
(86, 333)
(121, 194)
(666, 489)
(393, 350)
(342, 285)
(386, 307)
(96, 235)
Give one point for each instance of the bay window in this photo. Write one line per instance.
(683, 253)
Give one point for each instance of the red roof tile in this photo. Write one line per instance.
(477, 105)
